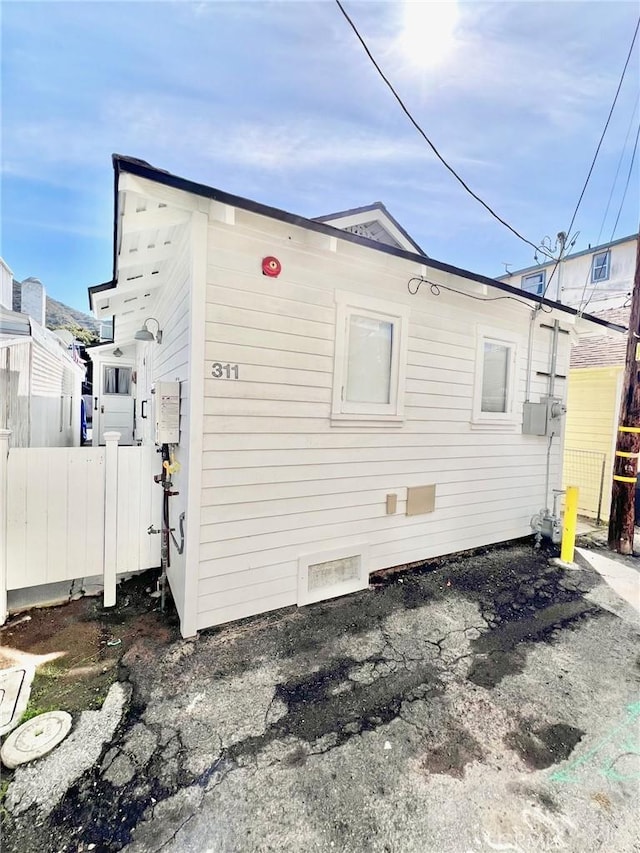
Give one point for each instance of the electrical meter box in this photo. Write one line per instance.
(534, 421)
(167, 410)
(542, 418)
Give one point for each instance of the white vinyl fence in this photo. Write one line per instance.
(74, 512)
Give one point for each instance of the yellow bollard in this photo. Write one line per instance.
(569, 524)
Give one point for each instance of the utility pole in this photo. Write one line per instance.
(625, 468)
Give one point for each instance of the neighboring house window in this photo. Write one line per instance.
(534, 282)
(117, 380)
(370, 358)
(600, 266)
(495, 376)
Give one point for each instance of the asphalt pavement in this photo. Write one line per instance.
(483, 703)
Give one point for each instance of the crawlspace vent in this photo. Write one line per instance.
(333, 573)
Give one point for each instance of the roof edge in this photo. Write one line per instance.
(142, 169)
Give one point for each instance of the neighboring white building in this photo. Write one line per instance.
(597, 278)
(343, 405)
(40, 382)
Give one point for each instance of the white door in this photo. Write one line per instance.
(116, 402)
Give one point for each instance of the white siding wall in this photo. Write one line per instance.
(55, 400)
(15, 401)
(6, 286)
(572, 283)
(280, 481)
(169, 361)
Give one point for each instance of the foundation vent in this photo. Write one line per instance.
(330, 574)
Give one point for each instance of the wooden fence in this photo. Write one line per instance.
(75, 512)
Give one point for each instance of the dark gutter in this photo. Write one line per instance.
(143, 170)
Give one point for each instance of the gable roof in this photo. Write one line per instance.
(142, 169)
(373, 221)
(603, 350)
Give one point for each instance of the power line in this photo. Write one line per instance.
(606, 125)
(615, 224)
(624, 195)
(615, 179)
(626, 186)
(597, 151)
(614, 183)
(424, 135)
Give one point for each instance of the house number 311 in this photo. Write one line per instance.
(224, 371)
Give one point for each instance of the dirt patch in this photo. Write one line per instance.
(545, 745)
(453, 755)
(602, 800)
(77, 647)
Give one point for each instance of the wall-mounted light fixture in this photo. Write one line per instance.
(144, 334)
(117, 352)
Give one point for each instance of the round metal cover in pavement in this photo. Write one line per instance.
(35, 738)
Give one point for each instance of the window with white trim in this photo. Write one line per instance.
(370, 357)
(494, 391)
(600, 266)
(534, 282)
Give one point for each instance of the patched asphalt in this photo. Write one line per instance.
(479, 703)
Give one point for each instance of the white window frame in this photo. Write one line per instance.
(607, 266)
(539, 285)
(487, 334)
(348, 304)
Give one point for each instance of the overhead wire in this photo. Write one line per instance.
(628, 181)
(436, 288)
(618, 167)
(597, 151)
(460, 180)
(423, 134)
(615, 224)
(611, 192)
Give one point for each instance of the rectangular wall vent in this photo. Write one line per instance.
(332, 573)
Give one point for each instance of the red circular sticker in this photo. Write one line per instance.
(271, 266)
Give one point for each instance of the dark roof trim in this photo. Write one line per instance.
(594, 250)
(96, 288)
(377, 205)
(143, 170)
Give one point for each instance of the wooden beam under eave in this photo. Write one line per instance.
(157, 217)
(145, 255)
(153, 193)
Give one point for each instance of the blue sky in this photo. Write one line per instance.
(275, 101)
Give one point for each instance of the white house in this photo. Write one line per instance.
(344, 403)
(40, 382)
(596, 278)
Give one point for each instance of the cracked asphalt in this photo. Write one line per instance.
(485, 702)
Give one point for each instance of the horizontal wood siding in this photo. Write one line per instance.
(169, 362)
(14, 391)
(592, 417)
(280, 481)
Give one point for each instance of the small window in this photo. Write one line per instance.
(370, 358)
(600, 267)
(534, 282)
(368, 363)
(495, 377)
(117, 380)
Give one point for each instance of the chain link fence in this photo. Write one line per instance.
(585, 469)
